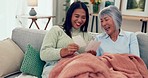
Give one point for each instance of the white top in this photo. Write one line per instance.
(126, 43)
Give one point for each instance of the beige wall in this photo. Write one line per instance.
(132, 25)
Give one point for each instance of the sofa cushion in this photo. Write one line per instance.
(11, 57)
(143, 46)
(32, 64)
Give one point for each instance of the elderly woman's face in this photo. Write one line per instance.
(107, 24)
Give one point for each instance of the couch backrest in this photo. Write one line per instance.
(24, 36)
(143, 46)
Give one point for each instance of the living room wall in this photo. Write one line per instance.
(10, 8)
(7, 17)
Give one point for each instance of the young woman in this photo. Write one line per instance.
(58, 42)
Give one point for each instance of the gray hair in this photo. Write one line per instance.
(113, 12)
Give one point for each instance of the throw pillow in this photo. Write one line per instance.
(32, 64)
(11, 57)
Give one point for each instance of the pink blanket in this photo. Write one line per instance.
(107, 66)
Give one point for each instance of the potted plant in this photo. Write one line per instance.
(96, 4)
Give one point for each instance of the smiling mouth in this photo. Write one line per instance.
(107, 28)
(78, 24)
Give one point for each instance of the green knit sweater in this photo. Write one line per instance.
(56, 39)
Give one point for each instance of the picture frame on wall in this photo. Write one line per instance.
(134, 7)
(113, 2)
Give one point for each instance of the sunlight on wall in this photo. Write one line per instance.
(7, 17)
(19, 7)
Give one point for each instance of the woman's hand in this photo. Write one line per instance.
(70, 50)
(92, 52)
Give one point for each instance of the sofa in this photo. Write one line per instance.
(22, 37)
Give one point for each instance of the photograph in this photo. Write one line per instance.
(134, 7)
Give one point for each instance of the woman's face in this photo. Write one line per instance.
(78, 18)
(108, 25)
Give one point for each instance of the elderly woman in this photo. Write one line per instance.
(114, 39)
